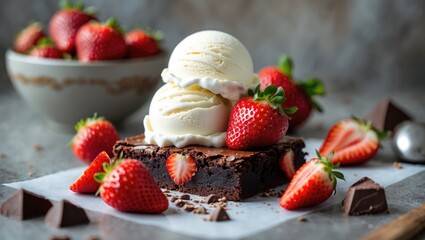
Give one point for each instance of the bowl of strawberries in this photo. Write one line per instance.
(84, 66)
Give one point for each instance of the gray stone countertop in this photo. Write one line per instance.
(21, 128)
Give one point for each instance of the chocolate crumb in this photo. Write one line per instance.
(180, 203)
(167, 195)
(185, 197)
(195, 200)
(3, 155)
(219, 204)
(166, 191)
(397, 165)
(212, 198)
(203, 200)
(200, 210)
(223, 199)
(59, 237)
(302, 219)
(173, 198)
(188, 207)
(37, 147)
(218, 215)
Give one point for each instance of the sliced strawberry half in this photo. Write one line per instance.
(287, 163)
(181, 168)
(312, 184)
(353, 141)
(86, 182)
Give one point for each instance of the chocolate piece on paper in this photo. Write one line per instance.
(218, 215)
(387, 115)
(65, 214)
(23, 205)
(365, 197)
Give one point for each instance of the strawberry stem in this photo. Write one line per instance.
(329, 168)
(113, 22)
(286, 65)
(367, 125)
(274, 96)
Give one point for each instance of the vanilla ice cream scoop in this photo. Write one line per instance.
(186, 116)
(213, 60)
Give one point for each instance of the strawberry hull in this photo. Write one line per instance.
(233, 174)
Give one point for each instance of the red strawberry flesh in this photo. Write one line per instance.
(181, 168)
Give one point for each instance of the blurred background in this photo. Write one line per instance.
(348, 44)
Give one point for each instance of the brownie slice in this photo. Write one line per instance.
(231, 173)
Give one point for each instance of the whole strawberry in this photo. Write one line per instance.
(64, 24)
(312, 184)
(297, 94)
(86, 182)
(258, 120)
(94, 135)
(97, 41)
(142, 43)
(129, 187)
(354, 141)
(28, 37)
(45, 49)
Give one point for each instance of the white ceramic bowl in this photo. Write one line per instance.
(65, 91)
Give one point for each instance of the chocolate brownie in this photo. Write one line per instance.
(231, 173)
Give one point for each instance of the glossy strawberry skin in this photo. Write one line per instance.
(140, 44)
(352, 143)
(310, 186)
(95, 41)
(295, 96)
(254, 124)
(28, 38)
(95, 137)
(86, 182)
(64, 25)
(129, 187)
(46, 52)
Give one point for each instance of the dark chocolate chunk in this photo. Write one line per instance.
(24, 205)
(65, 214)
(218, 215)
(212, 198)
(365, 197)
(387, 115)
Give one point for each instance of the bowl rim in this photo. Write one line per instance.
(12, 55)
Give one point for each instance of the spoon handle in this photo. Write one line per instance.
(404, 227)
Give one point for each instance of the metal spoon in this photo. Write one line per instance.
(408, 142)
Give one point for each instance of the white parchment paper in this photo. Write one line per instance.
(247, 218)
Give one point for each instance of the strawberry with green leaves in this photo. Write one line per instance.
(86, 182)
(142, 43)
(299, 94)
(65, 23)
(354, 141)
(100, 41)
(45, 49)
(312, 184)
(28, 37)
(128, 186)
(258, 120)
(94, 135)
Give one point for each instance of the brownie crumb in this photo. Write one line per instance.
(59, 237)
(174, 198)
(223, 199)
(167, 195)
(195, 200)
(188, 207)
(212, 198)
(166, 191)
(185, 197)
(200, 210)
(180, 203)
(3, 155)
(397, 165)
(37, 147)
(302, 219)
(219, 204)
